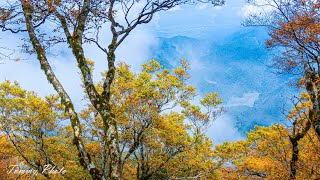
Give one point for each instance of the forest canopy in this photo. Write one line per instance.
(150, 123)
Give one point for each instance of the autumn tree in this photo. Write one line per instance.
(294, 30)
(76, 23)
(161, 133)
(294, 27)
(276, 152)
(7, 157)
(155, 139)
(33, 131)
(266, 154)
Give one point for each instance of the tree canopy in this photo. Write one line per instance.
(75, 23)
(149, 124)
(161, 133)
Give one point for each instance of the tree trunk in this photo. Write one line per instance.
(84, 157)
(294, 158)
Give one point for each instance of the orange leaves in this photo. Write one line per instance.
(31, 123)
(89, 62)
(301, 109)
(7, 157)
(211, 100)
(180, 72)
(152, 109)
(295, 28)
(301, 83)
(5, 14)
(266, 152)
(269, 43)
(151, 66)
(147, 92)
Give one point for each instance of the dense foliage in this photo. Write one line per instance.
(150, 124)
(161, 133)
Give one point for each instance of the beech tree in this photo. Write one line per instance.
(156, 140)
(266, 154)
(7, 157)
(152, 135)
(76, 23)
(294, 28)
(34, 134)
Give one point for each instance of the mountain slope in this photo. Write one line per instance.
(239, 69)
